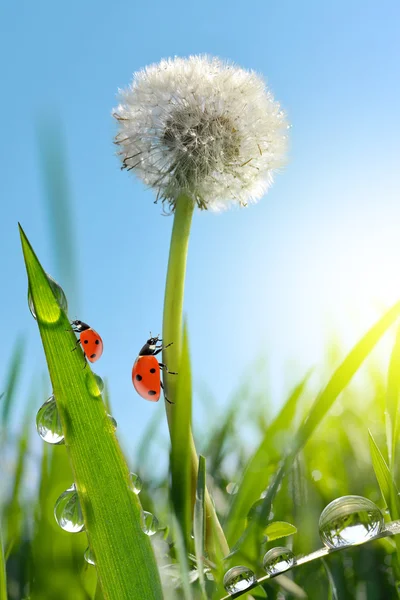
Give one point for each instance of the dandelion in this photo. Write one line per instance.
(199, 131)
(203, 128)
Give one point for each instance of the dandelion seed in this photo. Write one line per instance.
(201, 127)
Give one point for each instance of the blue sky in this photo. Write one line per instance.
(319, 254)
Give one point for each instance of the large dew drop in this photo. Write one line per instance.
(67, 511)
(48, 423)
(238, 579)
(348, 521)
(278, 560)
(149, 523)
(136, 483)
(58, 293)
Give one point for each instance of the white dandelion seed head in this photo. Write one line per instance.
(201, 127)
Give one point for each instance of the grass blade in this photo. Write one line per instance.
(12, 381)
(181, 493)
(182, 559)
(342, 376)
(392, 399)
(199, 526)
(3, 579)
(387, 485)
(124, 558)
(268, 453)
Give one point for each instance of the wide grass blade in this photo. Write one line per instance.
(181, 414)
(124, 558)
(199, 525)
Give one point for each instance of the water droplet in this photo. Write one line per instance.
(100, 382)
(149, 523)
(58, 293)
(48, 423)
(278, 559)
(238, 579)
(89, 557)
(349, 520)
(232, 488)
(136, 483)
(67, 511)
(94, 383)
(113, 421)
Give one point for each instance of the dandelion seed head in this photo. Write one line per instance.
(201, 127)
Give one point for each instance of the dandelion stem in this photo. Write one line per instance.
(172, 332)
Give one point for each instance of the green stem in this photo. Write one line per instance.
(172, 332)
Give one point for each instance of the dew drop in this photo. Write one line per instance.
(238, 579)
(94, 384)
(149, 523)
(232, 488)
(67, 511)
(278, 560)
(136, 483)
(48, 423)
(89, 557)
(100, 382)
(113, 422)
(58, 293)
(349, 520)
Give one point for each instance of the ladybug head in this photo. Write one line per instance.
(79, 325)
(150, 346)
(153, 341)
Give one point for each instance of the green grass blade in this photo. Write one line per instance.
(125, 561)
(3, 578)
(181, 414)
(255, 479)
(342, 376)
(182, 559)
(392, 399)
(52, 156)
(387, 485)
(14, 373)
(333, 595)
(279, 529)
(199, 525)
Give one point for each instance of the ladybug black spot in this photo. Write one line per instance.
(97, 342)
(152, 392)
(85, 341)
(139, 378)
(92, 356)
(152, 370)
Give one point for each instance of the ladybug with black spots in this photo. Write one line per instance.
(90, 340)
(146, 371)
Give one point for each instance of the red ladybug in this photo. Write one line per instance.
(146, 377)
(91, 342)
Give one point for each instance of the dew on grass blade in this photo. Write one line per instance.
(100, 382)
(94, 384)
(149, 523)
(349, 520)
(48, 423)
(232, 488)
(113, 421)
(136, 483)
(89, 557)
(278, 559)
(58, 293)
(238, 579)
(67, 511)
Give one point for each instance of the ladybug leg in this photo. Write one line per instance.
(165, 368)
(162, 348)
(167, 399)
(76, 345)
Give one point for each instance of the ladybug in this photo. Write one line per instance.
(91, 342)
(146, 377)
